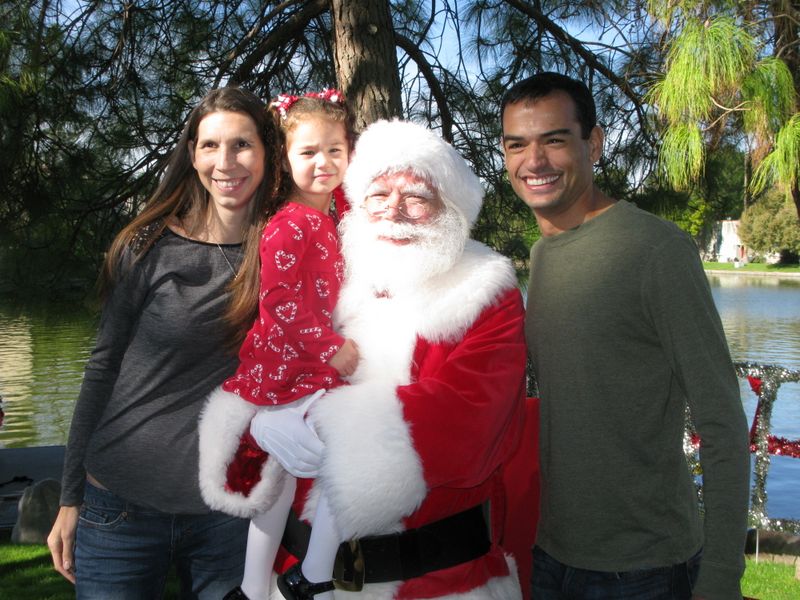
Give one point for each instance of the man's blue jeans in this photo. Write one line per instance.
(553, 580)
(124, 551)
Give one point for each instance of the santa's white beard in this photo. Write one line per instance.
(384, 266)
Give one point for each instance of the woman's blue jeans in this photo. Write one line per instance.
(124, 551)
(553, 580)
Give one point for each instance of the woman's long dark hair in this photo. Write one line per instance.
(181, 197)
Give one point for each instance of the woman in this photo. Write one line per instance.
(175, 296)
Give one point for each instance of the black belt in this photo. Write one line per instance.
(399, 556)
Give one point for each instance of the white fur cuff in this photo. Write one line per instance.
(223, 421)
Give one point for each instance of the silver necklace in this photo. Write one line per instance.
(225, 256)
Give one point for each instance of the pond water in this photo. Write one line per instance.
(43, 350)
(761, 317)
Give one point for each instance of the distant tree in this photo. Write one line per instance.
(724, 181)
(717, 195)
(770, 225)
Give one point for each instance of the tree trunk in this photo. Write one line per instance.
(365, 59)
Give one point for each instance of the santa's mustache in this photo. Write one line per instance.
(374, 261)
(399, 230)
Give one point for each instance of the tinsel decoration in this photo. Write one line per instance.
(764, 380)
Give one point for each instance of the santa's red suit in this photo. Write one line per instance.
(423, 431)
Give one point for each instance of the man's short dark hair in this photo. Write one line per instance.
(543, 84)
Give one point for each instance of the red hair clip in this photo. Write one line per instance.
(285, 101)
(329, 94)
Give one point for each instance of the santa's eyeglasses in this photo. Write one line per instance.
(410, 207)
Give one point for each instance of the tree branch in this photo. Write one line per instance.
(413, 51)
(278, 37)
(588, 56)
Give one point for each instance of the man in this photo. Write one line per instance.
(415, 445)
(623, 334)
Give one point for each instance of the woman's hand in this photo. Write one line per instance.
(61, 541)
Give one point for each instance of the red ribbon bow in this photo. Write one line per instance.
(285, 101)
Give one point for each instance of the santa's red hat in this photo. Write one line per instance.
(392, 146)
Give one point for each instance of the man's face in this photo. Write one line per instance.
(404, 199)
(549, 164)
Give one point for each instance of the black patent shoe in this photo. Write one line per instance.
(235, 594)
(294, 586)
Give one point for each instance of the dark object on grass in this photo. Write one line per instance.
(37, 511)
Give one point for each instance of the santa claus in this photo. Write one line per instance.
(415, 444)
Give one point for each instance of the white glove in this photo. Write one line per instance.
(283, 432)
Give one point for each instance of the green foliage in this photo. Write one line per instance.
(769, 92)
(723, 183)
(716, 82)
(705, 60)
(682, 154)
(666, 10)
(771, 225)
(695, 217)
(96, 98)
(507, 224)
(681, 94)
(781, 167)
(663, 201)
(752, 266)
(718, 195)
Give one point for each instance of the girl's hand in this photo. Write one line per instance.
(345, 360)
(282, 431)
(61, 541)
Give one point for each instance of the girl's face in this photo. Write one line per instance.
(229, 157)
(317, 154)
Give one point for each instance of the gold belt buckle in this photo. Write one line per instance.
(349, 567)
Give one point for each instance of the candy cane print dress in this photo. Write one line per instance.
(285, 354)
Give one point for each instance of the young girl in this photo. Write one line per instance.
(291, 354)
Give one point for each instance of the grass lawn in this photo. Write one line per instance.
(27, 574)
(752, 267)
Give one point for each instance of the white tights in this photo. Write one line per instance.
(264, 539)
(322, 547)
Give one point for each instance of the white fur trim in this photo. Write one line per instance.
(440, 309)
(452, 301)
(391, 146)
(371, 472)
(223, 420)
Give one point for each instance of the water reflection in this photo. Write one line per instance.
(761, 317)
(42, 353)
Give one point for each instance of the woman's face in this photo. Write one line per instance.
(228, 156)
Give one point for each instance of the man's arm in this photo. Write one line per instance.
(691, 332)
(462, 415)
